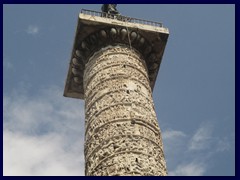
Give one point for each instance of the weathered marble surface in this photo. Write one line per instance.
(122, 134)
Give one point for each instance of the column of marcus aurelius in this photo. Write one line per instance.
(113, 67)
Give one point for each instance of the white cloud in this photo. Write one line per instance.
(43, 135)
(189, 169)
(172, 134)
(172, 140)
(202, 138)
(189, 155)
(223, 145)
(32, 29)
(39, 155)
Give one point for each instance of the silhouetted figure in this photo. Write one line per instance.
(110, 9)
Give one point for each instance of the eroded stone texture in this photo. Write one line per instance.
(122, 134)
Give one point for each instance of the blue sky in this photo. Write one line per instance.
(194, 94)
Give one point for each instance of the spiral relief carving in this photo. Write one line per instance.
(122, 134)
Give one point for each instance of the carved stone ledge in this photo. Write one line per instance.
(94, 33)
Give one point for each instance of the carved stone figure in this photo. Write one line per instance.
(110, 9)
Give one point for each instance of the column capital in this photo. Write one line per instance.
(95, 32)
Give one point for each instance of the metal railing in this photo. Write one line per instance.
(121, 18)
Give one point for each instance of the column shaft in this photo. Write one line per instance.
(122, 134)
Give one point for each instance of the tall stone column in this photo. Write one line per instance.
(114, 68)
(122, 133)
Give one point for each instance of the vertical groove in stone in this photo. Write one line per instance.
(122, 134)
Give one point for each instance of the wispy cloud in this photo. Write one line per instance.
(172, 134)
(7, 64)
(178, 160)
(202, 138)
(32, 29)
(43, 135)
(189, 154)
(223, 145)
(189, 169)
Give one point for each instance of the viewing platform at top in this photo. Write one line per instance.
(121, 18)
